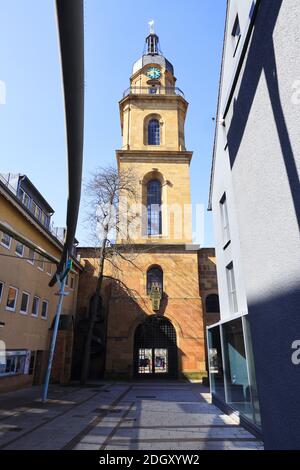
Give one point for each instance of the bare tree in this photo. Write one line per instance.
(110, 193)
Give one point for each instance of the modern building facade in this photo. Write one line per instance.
(255, 199)
(154, 309)
(30, 248)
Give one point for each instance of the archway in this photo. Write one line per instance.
(155, 349)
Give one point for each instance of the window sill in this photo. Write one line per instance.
(5, 246)
(8, 309)
(34, 315)
(23, 313)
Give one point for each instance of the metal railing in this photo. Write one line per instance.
(153, 90)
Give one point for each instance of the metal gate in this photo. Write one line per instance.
(155, 349)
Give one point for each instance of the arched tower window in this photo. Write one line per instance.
(153, 132)
(212, 304)
(154, 207)
(154, 276)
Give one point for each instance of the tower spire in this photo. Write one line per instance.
(152, 41)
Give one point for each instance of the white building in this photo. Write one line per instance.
(255, 199)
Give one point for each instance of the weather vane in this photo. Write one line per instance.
(151, 24)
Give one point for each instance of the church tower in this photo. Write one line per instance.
(155, 320)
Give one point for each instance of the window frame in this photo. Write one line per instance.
(22, 354)
(35, 315)
(44, 301)
(154, 214)
(153, 134)
(33, 258)
(48, 268)
(23, 247)
(236, 34)
(225, 220)
(2, 243)
(12, 309)
(42, 260)
(25, 312)
(231, 288)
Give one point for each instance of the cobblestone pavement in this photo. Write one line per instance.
(123, 416)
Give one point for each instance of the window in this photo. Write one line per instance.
(154, 207)
(19, 249)
(40, 263)
(24, 198)
(11, 298)
(231, 288)
(212, 304)
(35, 306)
(153, 90)
(5, 240)
(225, 220)
(24, 302)
(14, 363)
(154, 276)
(30, 256)
(67, 280)
(236, 34)
(48, 267)
(72, 282)
(153, 132)
(1, 289)
(44, 309)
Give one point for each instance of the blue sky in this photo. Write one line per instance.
(32, 128)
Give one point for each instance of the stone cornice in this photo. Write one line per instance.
(155, 156)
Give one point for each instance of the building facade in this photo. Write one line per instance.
(255, 202)
(154, 309)
(30, 248)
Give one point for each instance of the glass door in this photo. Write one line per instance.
(145, 361)
(160, 361)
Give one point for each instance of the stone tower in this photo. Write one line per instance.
(155, 320)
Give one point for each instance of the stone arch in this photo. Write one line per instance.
(155, 351)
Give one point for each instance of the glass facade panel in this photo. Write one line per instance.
(237, 382)
(237, 385)
(215, 363)
(252, 375)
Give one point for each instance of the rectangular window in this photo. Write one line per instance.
(67, 280)
(12, 298)
(44, 309)
(35, 306)
(5, 240)
(24, 302)
(48, 265)
(40, 262)
(72, 282)
(30, 256)
(225, 219)
(38, 213)
(14, 363)
(19, 249)
(1, 289)
(231, 288)
(24, 198)
(236, 34)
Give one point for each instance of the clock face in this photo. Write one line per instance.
(153, 72)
